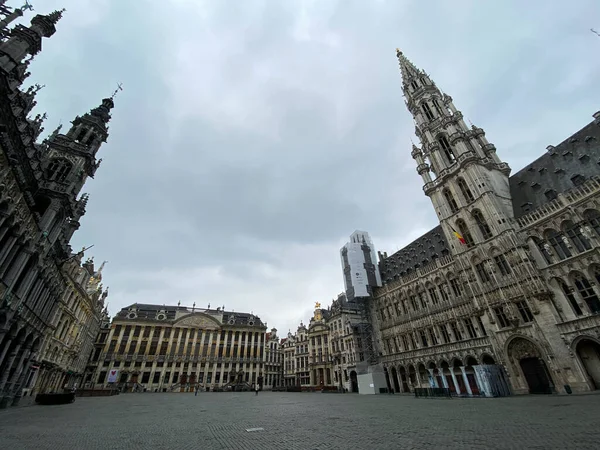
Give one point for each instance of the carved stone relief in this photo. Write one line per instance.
(198, 321)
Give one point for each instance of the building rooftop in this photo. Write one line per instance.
(155, 312)
(562, 168)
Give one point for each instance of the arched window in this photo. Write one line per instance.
(447, 149)
(427, 111)
(466, 192)
(555, 239)
(450, 199)
(482, 224)
(414, 85)
(437, 107)
(58, 170)
(464, 232)
(587, 293)
(593, 219)
(90, 139)
(573, 232)
(568, 292)
(81, 134)
(542, 248)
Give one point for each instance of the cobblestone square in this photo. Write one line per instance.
(304, 421)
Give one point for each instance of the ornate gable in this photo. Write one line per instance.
(198, 321)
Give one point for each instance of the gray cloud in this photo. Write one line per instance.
(253, 137)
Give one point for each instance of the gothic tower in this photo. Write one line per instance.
(66, 161)
(469, 188)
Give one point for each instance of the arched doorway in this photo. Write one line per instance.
(395, 380)
(487, 359)
(527, 356)
(353, 381)
(470, 373)
(403, 379)
(589, 355)
(388, 383)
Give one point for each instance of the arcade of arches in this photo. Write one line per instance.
(461, 377)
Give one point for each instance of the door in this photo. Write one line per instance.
(536, 376)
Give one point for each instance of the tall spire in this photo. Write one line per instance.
(408, 70)
(25, 41)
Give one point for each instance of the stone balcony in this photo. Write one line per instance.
(435, 351)
(588, 189)
(579, 325)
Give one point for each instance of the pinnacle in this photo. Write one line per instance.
(56, 16)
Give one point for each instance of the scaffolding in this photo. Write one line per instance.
(364, 331)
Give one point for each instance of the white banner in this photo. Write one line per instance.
(112, 376)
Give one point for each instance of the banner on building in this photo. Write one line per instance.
(112, 376)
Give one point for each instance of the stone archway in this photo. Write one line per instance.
(396, 384)
(353, 381)
(527, 357)
(404, 379)
(588, 352)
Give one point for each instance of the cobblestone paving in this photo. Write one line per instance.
(306, 421)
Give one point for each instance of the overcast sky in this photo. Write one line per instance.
(253, 137)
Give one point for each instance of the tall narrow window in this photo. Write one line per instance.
(555, 239)
(433, 295)
(58, 170)
(502, 264)
(450, 199)
(414, 85)
(482, 224)
(465, 233)
(525, 312)
(587, 293)
(447, 149)
(443, 292)
(501, 316)
(593, 219)
(455, 287)
(573, 232)
(427, 111)
(470, 328)
(464, 189)
(482, 272)
(437, 107)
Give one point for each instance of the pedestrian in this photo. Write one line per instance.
(197, 388)
(256, 389)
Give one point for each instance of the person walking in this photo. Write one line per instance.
(197, 388)
(256, 389)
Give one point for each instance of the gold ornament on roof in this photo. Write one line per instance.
(317, 305)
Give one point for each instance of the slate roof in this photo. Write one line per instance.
(149, 312)
(556, 171)
(561, 168)
(419, 252)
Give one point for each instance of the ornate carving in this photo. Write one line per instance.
(198, 321)
(523, 348)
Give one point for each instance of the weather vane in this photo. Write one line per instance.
(119, 88)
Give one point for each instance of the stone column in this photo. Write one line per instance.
(456, 385)
(467, 385)
(432, 379)
(4, 376)
(8, 341)
(17, 391)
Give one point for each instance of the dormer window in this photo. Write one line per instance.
(578, 180)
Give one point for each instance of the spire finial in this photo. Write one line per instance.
(27, 5)
(56, 16)
(119, 88)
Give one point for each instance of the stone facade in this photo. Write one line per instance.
(502, 295)
(74, 329)
(273, 375)
(176, 348)
(39, 212)
(325, 354)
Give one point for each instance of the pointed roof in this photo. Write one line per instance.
(407, 68)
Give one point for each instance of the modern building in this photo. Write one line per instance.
(43, 288)
(176, 348)
(359, 264)
(502, 296)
